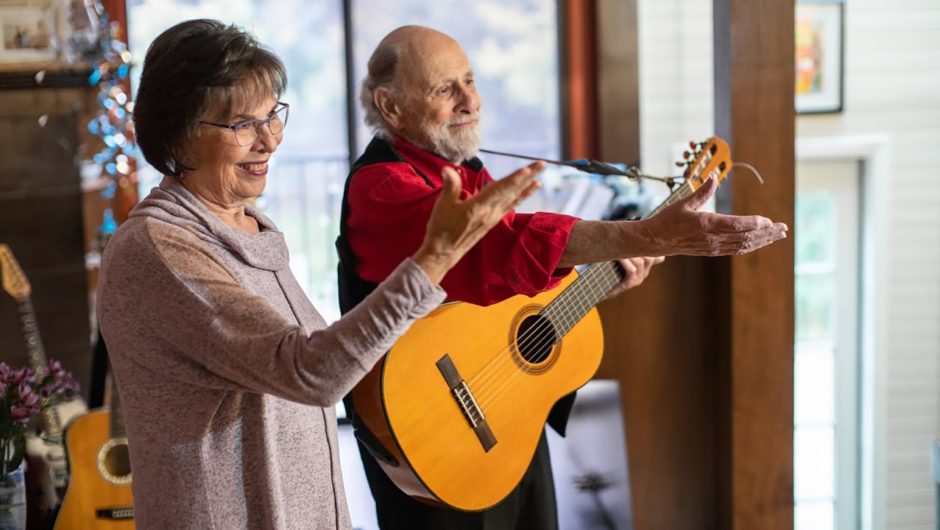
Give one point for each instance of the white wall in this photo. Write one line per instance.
(676, 79)
(892, 88)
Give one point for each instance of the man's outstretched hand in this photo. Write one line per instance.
(682, 229)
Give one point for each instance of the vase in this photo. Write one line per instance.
(13, 500)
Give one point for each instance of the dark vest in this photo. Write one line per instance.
(353, 289)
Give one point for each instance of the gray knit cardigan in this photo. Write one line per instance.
(227, 373)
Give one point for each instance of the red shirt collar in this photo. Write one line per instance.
(431, 165)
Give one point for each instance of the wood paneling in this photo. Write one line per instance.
(704, 350)
(578, 64)
(659, 344)
(754, 111)
(41, 212)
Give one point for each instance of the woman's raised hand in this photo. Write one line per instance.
(456, 225)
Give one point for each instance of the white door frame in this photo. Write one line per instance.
(872, 151)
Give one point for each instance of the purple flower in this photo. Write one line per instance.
(57, 383)
(24, 375)
(21, 414)
(25, 395)
(23, 403)
(55, 368)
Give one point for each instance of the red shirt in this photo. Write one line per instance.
(389, 207)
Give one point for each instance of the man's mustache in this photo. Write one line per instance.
(464, 119)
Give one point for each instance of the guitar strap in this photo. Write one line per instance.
(353, 289)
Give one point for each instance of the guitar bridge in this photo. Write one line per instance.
(467, 403)
(121, 513)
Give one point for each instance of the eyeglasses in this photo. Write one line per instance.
(246, 132)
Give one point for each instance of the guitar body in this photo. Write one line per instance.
(99, 493)
(456, 408)
(514, 379)
(47, 471)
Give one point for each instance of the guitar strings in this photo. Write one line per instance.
(543, 340)
(484, 378)
(543, 336)
(537, 333)
(681, 193)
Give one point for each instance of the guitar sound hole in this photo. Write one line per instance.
(535, 339)
(117, 462)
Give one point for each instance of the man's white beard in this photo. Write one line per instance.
(455, 145)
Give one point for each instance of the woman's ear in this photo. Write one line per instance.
(391, 112)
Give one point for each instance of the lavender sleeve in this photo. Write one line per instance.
(169, 288)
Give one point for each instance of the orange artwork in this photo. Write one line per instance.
(808, 56)
(818, 59)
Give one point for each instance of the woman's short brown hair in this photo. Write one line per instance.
(190, 68)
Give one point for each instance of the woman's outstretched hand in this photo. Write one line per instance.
(456, 225)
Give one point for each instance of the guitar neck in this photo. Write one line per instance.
(681, 193)
(37, 360)
(34, 349)
(596, 282)
(583, 294)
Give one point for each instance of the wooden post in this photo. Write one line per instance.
(754, 75)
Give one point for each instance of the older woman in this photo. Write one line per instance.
(227, 373)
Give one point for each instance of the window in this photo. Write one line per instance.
(826, 371)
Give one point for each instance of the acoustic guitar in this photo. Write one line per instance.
(455, 409)
(99, 494)
(48, 474)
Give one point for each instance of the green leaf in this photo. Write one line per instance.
(19, 451)
(6, 422)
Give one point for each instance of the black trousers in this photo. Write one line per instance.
(531, 506)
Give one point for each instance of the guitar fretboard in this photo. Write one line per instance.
(598, 279)
(565, 311)
(52, 427)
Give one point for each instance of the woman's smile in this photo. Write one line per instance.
(257, 169)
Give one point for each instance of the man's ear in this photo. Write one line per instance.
(387, 106)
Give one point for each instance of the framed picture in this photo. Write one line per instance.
(27, 32)
(819, 55)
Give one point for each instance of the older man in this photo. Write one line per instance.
(420, 98)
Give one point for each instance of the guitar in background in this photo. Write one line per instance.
(48, 473)
(456, 408)
(99, 494)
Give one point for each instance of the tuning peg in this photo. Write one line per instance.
(681, 164)
(686, 155)
(694, 146)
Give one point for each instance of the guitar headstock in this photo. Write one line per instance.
(709, 158)
(11, 275)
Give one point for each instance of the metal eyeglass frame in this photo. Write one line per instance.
(255, 123)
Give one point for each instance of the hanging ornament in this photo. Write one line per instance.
(95, 40)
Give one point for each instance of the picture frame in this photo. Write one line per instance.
(819, 61)
(27, 32)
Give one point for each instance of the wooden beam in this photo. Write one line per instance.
(754, 110)
(578, 68)
(659, 339)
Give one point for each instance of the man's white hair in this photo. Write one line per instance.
(381, 73)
